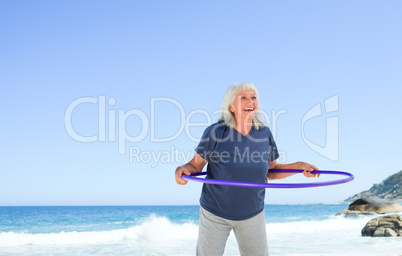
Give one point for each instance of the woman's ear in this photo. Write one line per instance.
(231, 109)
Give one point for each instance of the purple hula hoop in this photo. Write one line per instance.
(274, 185)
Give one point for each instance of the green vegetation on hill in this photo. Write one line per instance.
(390, 189)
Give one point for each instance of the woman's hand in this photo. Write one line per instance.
(195, 165)
(181, 170)
(307, 169)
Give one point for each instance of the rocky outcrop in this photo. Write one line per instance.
(371, 206)
(389, 189)
(390, 225)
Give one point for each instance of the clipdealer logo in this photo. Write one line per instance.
(111, 125)
(331, 148)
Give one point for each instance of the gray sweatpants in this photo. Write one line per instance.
(214, 231)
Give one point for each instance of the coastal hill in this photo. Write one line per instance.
(389, 189)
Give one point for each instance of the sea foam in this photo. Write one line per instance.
(328, 225)
(157, 228)
(153, 229)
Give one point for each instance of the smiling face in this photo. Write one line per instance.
(244, 106)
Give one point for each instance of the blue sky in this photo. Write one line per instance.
(167, 56)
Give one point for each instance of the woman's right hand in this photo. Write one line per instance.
(181, 170)
(195, 165)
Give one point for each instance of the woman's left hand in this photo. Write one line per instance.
(307, 169)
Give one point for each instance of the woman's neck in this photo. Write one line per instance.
(244, 127)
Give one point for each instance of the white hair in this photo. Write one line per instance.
(227, 116)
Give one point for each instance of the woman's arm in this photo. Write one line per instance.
(195, 165)
(308, 168)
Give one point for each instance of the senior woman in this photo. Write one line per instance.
(238, 147)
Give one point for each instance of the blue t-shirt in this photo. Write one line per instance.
(233, 156)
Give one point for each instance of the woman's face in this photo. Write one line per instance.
(244, 105)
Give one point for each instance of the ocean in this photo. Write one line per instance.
(305, 230)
